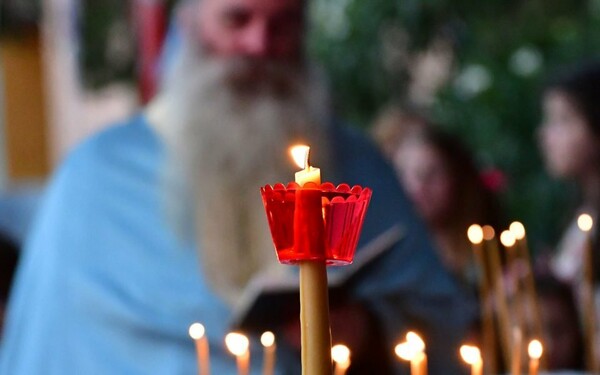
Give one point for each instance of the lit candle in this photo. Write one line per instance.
(475, 235)
(267, 340)
(238, 345)
(518, 230)
(309, 237)
(535, 350)
(500, 290)
(420, 360)
(413, 350)
(586, 223)
(509, 240)
(198, 334)
(301, 154)
(341, 356)
(407, 352)
(472, 356)
(529, 294)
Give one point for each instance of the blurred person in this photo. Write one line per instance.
(157, 222)
(570, 143)
(443, 182)
(392, 125)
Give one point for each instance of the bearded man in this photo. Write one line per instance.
(157, 222)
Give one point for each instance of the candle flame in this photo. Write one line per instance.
(300, 155)
(406, 351)
(488, 232)
(237, 343)
(415, 340)
(475, 234)
(470, 354)
(535, 349)
(340, 353)
(196, 331)
(517, 229)
(411, 348)
(507, 238)
(585, 222)
(267, 339)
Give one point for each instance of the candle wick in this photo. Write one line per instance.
(307, 160)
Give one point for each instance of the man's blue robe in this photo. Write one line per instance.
(105, 287)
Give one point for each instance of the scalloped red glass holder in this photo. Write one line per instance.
(315, 222)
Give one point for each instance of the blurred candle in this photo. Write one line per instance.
(420, 360)
(475, 235)
(198, 334)
(472, 356)
(413, 350)
(586, 223)
(341, 356)
(406, 351)
(509, 240)
(535, 350)
(267, 340)
(497, 278)
(238, 345)
(528, 292)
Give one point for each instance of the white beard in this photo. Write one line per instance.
(228, 134)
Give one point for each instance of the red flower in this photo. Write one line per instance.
(494, 180)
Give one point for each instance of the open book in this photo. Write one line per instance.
(269, 301)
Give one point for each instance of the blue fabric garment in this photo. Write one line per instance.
(18, 206)
(106, 288)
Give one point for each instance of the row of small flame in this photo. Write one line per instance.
(411, 350)
(239, 345)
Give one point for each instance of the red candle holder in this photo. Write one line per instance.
(315, 222)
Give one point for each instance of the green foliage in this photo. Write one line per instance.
(107, 42)
(511, 46)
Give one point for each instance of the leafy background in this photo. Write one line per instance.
(502, 52)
